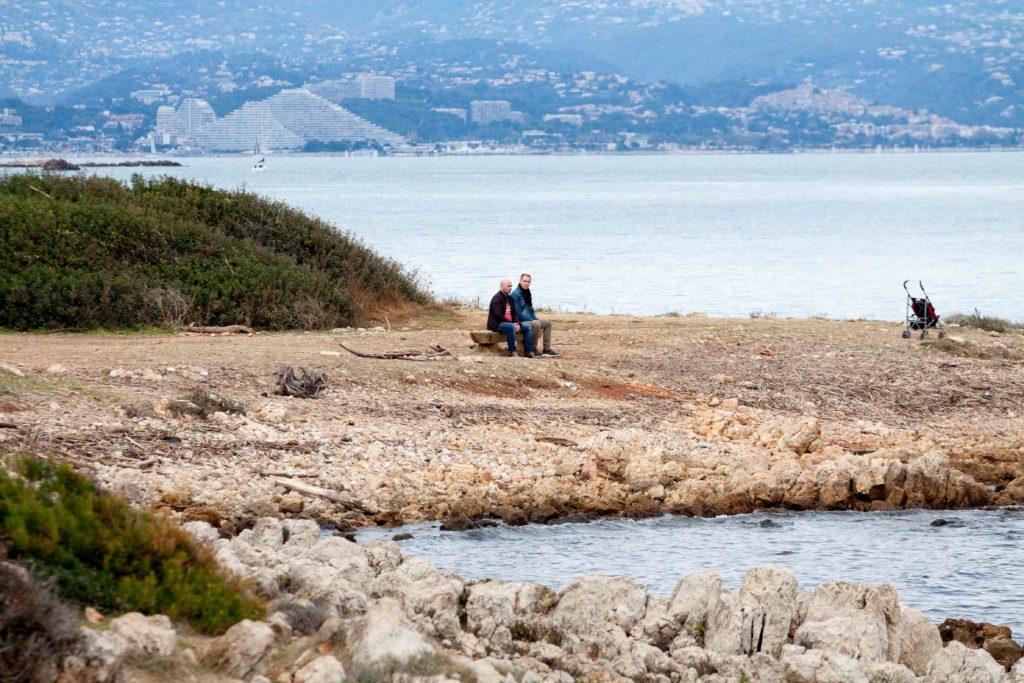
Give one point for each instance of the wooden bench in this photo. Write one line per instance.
(495, 341)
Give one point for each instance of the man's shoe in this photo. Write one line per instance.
(531, 354)
(550, 353)
(511, 354)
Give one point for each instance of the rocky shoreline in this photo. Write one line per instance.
(640, 416)
(597, 432)
(338, 610)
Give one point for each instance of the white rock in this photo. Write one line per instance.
(495, 603)
(694, 600)
(302, 534)
(325, 669)
(244, 651)
(56, 369)
(272, 413)
(103, 653)
(956, 663)
(724, 626)
(202, 532)
(919, 640)
(888, 672)
(429, 597)
(767, 604)
(383, 634)
(853, 619)
(11, 370)
(147, 635)
(819, 666)
(596, 612)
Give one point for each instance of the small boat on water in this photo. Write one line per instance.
(260, 165)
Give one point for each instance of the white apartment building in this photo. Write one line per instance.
(484, 112)
(362, 86)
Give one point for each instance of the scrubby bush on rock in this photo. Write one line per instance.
(103, 553)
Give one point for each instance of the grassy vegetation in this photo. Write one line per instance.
(981, 322)
(88, 252)
(101, 552)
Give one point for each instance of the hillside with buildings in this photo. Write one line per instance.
(428, 76)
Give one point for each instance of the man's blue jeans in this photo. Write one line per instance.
(510, 331)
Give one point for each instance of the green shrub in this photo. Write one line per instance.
(102, 552)
(979, 321)
(89, 252)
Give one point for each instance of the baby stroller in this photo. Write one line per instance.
(921, 314)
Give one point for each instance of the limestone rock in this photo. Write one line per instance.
(243, 651)
(491, 604)
(820, 666)
(202, 532)
(102, 656)
(851, 619)
(694, 600)
(888, 672)
(956, 663)
(325, 669)
(146, 635)
(596, 612)
(919, 640)
(767, 604)
(725, 625)
(429, 597)
(383, 634)
(801, 438)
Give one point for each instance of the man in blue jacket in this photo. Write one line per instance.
(523, 300)
(501, 317)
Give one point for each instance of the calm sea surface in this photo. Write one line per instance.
(967, 569)
(794, 235)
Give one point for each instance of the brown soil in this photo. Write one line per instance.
(463, 421)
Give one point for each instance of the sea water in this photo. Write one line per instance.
(795, 235)
(962, 564)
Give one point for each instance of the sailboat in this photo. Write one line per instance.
(260, 165)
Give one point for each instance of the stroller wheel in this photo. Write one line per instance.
(924, 334)
(942, 334)
(906, 334)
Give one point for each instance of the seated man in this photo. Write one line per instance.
(501, 317)
(523, 300)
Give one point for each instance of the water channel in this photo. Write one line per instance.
(961, 564)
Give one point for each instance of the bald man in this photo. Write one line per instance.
(502, 317)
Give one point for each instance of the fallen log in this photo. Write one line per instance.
(333, 496)
(430, 353)
(226, 329)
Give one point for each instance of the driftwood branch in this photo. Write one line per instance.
(33, 187)
(435, 352)
(8, 425)
(226, 329)
(306, 385)
(332, 496)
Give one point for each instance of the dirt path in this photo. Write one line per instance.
(689, 401)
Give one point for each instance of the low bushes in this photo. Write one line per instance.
(37, 631)
(981, 322)
(90, 252)
(99, 551)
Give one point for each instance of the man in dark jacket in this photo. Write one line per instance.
(501, 317)
(522, 301)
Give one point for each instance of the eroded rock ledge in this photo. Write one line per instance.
(342, 609)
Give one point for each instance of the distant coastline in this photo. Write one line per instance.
(64, 165)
